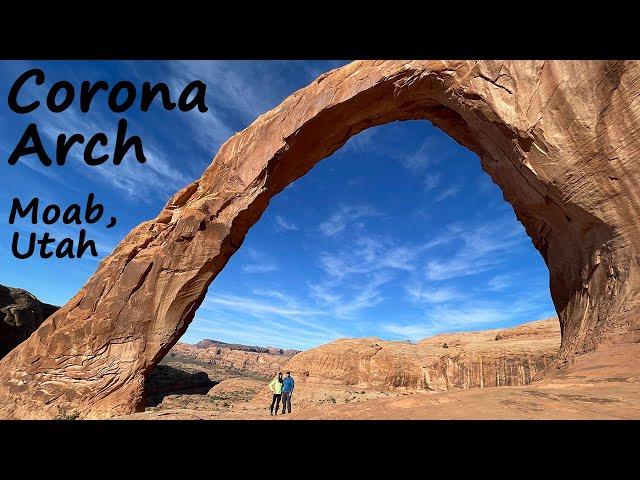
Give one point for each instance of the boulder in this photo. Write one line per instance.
(21, 314)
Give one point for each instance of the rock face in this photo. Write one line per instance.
(262, 361)
(20, 315)
(470, 360)
(560, 138)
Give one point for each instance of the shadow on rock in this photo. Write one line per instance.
(166, 380)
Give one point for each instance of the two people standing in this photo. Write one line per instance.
(281, 387)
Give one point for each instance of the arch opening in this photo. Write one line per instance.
(95, 352)
(397, 222)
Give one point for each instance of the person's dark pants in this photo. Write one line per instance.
(275, 401)
(286, 401)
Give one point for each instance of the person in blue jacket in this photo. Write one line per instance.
(287, 389)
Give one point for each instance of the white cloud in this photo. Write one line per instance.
(323, 294)
(259, 267)
(367, 296)
(431, 181)
(368, 254)
(284, 224)
(227, 85)
(255, 306)
(432, 151)
(259, 262)
(483, 248)
(499, 282)
(422, 158)
(265, 311)
(286, 299)
(418, 293)
(256, 331)
(345, 216)
(447, 193)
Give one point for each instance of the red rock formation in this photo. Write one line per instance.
(470, 360)
(560, 138)
(263, 362)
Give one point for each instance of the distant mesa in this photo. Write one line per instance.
(260, 361)
(208, 343)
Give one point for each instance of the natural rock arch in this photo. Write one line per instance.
(561, 139)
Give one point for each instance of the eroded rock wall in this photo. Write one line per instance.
(490, 358)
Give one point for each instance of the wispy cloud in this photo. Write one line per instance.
(367, 296)
(483, 247)
(269, 308)
(256, 306)
(260, 262)
(283, 224)
(475, 314)
(259, 267)
(499, 282)
(422, 158)
(344, 217)
(418, 293)
(447, 193)
(431, 181)
(367, 254)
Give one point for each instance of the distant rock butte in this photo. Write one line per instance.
(207, 343)
(21, 313)
(560, 138)
(263, 361)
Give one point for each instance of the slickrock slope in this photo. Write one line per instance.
(560, 138)
(21, 314)
(263, 361)
(235, 388)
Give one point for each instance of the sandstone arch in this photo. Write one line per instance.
(560, 138)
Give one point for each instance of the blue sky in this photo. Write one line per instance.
(399, 234)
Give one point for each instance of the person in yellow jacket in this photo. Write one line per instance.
(276, 388)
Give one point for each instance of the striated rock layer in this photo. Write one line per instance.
(489, 358)
(560, 138)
